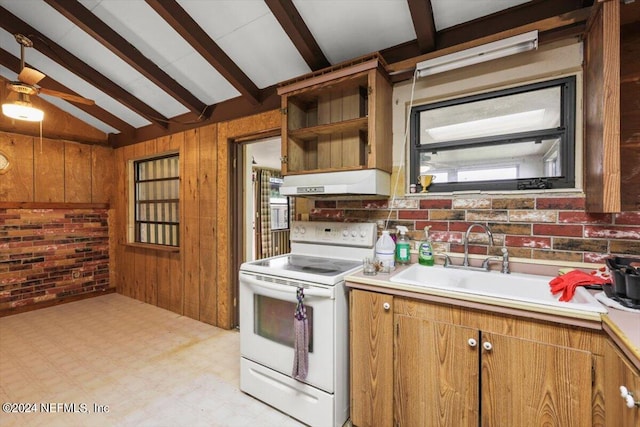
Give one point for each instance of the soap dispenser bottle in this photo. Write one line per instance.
(425, 251)
(403, 246)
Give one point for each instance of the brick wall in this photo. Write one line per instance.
(543, 227)
(48, 254)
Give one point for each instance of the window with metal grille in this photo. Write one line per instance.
(157, 191)
(513, 139)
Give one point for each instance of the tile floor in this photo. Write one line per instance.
(149, 366)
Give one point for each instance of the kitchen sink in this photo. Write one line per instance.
(526, 288)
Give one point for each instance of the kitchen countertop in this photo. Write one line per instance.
(622, 326)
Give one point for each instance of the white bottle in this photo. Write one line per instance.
(386, 252)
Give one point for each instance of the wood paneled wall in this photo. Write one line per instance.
(55, 171)
(197, 279)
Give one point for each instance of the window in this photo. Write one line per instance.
(156, 206)
(512, 139)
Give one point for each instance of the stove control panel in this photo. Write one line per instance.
(334, 233)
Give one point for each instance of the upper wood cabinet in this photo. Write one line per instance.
(338, 119)
(612, 113)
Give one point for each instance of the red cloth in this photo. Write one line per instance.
(567, 283)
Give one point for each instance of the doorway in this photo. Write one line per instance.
(261, 222)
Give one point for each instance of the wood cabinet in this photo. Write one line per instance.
(620, 372)
(612, 114)
(371, 358)
(455, 366)
(338, 119)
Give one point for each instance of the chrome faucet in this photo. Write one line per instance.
(465, 261)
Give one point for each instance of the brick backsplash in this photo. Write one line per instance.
(545, 228)
(48, 254)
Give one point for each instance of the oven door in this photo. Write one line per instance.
(267, 307)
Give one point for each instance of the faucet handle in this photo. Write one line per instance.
(447, 259)
(487, 260)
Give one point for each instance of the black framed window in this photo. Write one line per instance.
(157, 194)
(512, 139)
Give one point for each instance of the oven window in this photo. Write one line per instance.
(273, 320)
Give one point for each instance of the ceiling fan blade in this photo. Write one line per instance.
(30, 76)
(67, 96)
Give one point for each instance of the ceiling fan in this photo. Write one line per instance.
(28, 78)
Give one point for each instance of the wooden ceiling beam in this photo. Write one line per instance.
(57, 53)
(423, 23)
(227, 110)
(79, 15)
(13, 64)
(295, 27)
(189, 29)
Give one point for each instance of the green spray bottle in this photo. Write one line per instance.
(403, 246)
(425, 251)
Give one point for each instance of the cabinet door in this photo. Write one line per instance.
(436, 369)
(371, 363)
(525, 383)
(620, 373)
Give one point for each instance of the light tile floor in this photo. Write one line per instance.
(149, 366)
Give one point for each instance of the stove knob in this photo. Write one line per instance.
(363, 233)
(296, 230)
(345, 232)
(303, 230)
(354, 233)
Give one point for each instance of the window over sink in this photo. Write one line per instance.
(511, 139)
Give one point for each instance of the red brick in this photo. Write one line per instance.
(628, 218)
(435, 225)
(323, 204)
(557, 230)
(528, 242)
(595, 258)
(435, 204)
(612, 232)
(419, 214)
(439, 236)
(584, 218)
(560, 203)
(375, 204)
(326, 214)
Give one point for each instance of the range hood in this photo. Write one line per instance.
(356, 182)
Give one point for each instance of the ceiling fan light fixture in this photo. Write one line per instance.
(22, 110)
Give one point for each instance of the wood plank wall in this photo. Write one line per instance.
(196, 280)
(55, 171)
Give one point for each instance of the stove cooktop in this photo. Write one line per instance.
(328, 267)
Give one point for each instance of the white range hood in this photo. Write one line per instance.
(356, 182)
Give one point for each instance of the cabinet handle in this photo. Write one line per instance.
(386, 306)
(628, 397)
(472, 342)
(487, 346)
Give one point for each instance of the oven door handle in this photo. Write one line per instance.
(287, 289)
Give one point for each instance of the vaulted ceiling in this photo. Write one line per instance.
(155, 67)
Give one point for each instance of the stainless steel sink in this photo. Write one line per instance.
(527, 288)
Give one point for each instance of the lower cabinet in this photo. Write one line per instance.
(621, 373)
(371, 358)
(452, 366)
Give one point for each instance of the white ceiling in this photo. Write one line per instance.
(246, 30)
